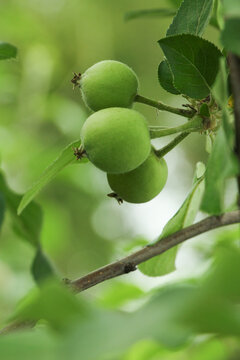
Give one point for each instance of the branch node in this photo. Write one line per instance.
(129, 267)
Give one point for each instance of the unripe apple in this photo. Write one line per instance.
(107, 84)
(116, 140)
(141, 184)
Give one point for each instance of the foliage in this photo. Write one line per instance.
(64, 159)
(185, 216)
(73, 228)
(183, 53)
(7, 51)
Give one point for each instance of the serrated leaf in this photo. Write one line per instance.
(230, 35)
(29, 224)
(41, 268)
(136, 14)
(165, 78)
(65, 158)
(7, 51)
(192, 17)
(194, 63)
(165, 263)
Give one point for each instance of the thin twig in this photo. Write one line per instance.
(234, 64)
(17, 326)
(130, 262)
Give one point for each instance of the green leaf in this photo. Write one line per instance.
(175, 3)
(209, 144)
(221, 165)
(154, 320)
(29, 224)
(210, 349)
(192, 17)
(41, 268)
(146, 13)
(230, 35)
(65, 158)
(220, 91)
(217, 20)
(7, 51)
(204, 110)
(53, 303)
(214, 307)
(165, 78)
(2, 208)
(119, 293)
(165, 263)
(194, 63)
(135, 244)
(22, 345)
(145, 350)
(171, 319)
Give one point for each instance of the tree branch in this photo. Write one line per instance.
(234, 65)
(130, 262)
(16, 326)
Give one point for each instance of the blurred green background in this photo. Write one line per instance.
(40, 114)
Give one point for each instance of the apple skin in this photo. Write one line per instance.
(107, 84)
(141, 184)
(116, 140)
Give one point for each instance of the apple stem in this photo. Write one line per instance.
(163, 151)
(161, 106)
(196, 124)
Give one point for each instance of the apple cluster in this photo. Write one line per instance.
(115, 138)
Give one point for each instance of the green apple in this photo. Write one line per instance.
(116, 140)
(141, 184)
(107, 84)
